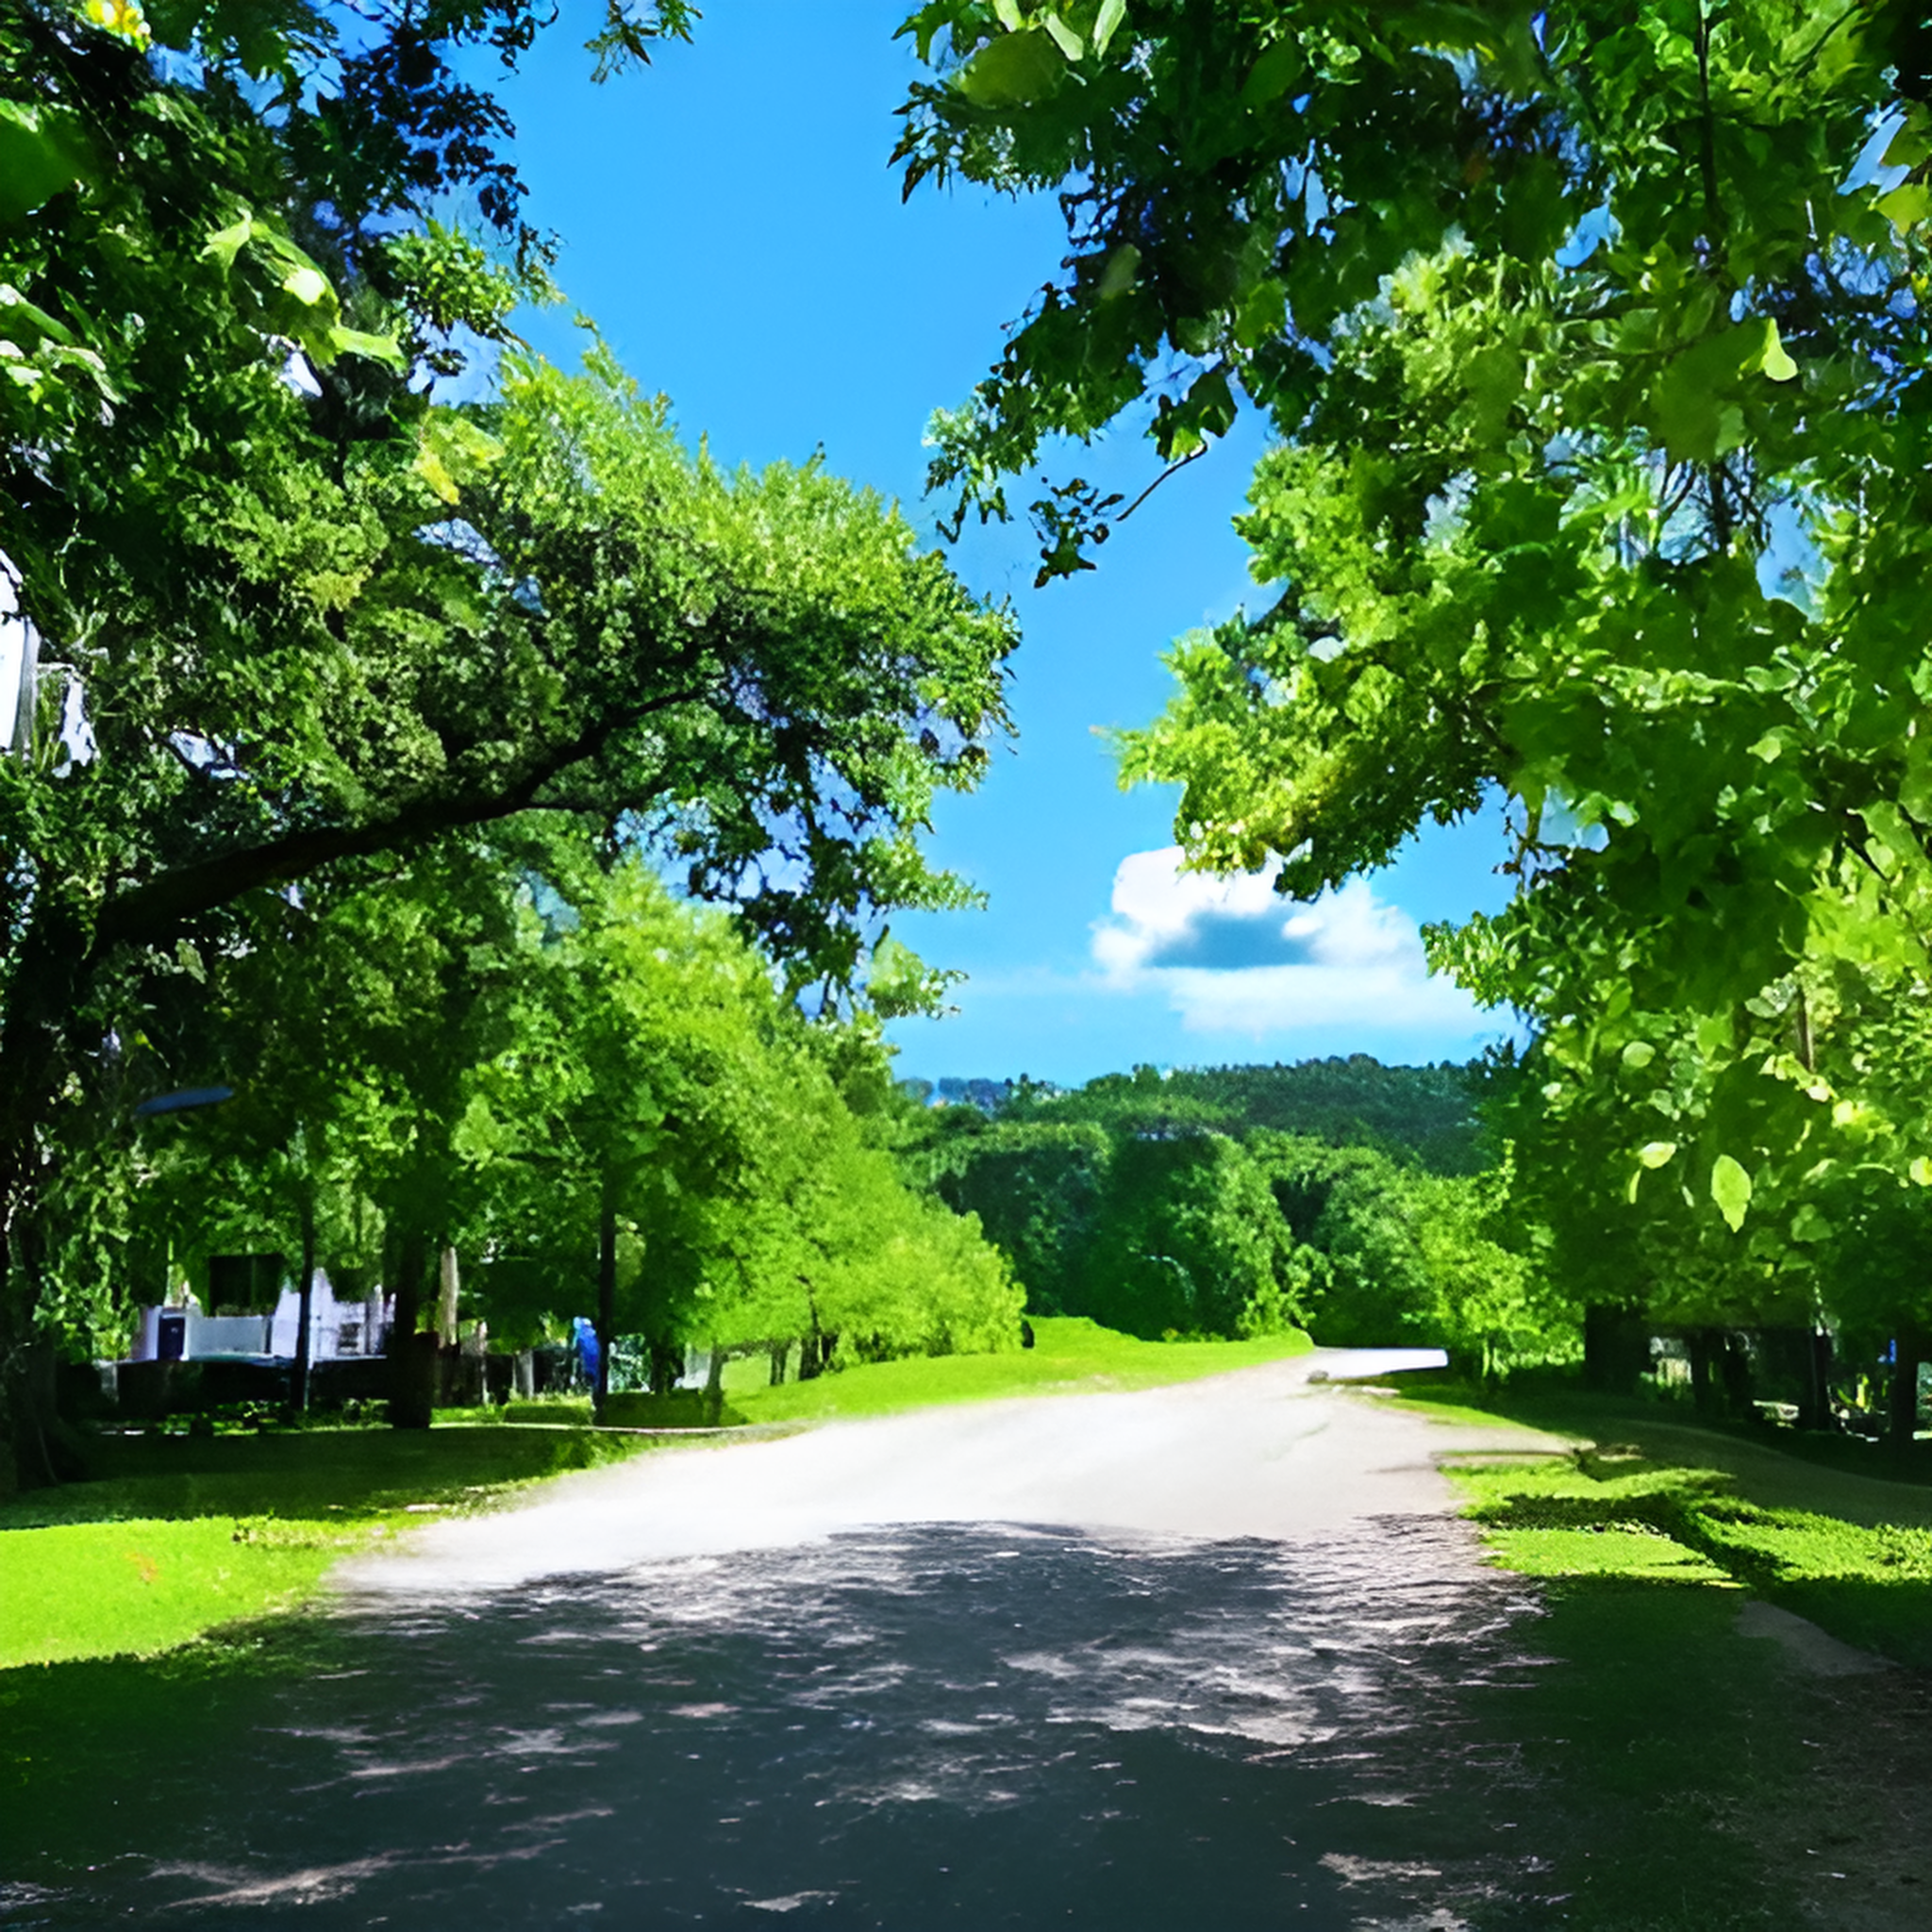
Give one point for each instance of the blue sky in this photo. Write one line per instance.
(728, 219)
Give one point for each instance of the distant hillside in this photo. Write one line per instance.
(1428, 1114)
(1427, 1111)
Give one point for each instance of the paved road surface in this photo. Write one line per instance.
(1270, 1452)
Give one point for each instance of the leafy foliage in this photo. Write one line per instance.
(506, 1062)
(1173, 1204)
(1593, 338)
(295, 616)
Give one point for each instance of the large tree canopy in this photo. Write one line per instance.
(1595, 341)
(271, 606)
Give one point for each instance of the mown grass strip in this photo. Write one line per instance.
(1616, 1513)
(1071, 1355)
(178, 1536)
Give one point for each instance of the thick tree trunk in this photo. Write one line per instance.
(1814, 1410)
(1908, 1351)
(1616, 1348)
(412, 1357)
(53, 972)
(714, 1386)
(1705, 1345)
(607, 1291)
(1734, 1364)
(666, 1364)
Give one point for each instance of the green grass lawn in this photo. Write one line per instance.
(177, 1535)
(1071, 1354)
(1645, 1496)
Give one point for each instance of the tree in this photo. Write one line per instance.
(1035, 1187)
(1188, 1243)
(298, 630)
(1595, 341)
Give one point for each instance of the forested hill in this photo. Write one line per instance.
(1428, 1111)
(1339, 1194)
(1428, 1114)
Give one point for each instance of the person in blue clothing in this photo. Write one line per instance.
(588, 1349)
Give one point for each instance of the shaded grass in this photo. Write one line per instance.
(1069, 1354)
(1644, 1753)
(178, 1536)
(1682, 1763)
(1702, 1504)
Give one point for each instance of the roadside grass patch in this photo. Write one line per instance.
(1610, 1511)
(178, 1536)
(1610, 1550)
(87, 1590)
(1070, 1354)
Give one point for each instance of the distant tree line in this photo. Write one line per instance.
(591, 1098)
(1344, 1195)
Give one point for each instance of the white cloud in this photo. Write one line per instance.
(1233, 956)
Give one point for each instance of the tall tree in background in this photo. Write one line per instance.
(1595, 338)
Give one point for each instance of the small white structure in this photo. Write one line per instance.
(187, 1334)
(336, 1329)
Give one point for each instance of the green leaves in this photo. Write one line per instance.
(44, 151)
(1697, 403)
(1015, 69)
(1601, 489)
(292, 296)
(1730, 1188)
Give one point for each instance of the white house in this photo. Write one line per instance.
(337, 1329)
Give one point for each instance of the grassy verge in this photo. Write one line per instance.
(178, 1536)
(1698, 1779)
(1069, 1354)
(1645, 1497)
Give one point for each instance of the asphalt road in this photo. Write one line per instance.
(1275, 1452)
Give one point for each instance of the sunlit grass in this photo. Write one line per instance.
(1069, 1354)
(107, 1589)
(1620, 1512)
(1615, 1550)
(178, 1536)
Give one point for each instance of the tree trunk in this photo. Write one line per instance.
(1615, 1348)
(305, 1308)
(1734, 1364)
(54, 970)
(1908, 1352)
(667, 1363)
(607, 1291)
(1815, 1410)
(1705, 1345)
(714, 1386)
(412, 1366)
(448, 1293)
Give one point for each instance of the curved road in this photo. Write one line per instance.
(1270, 1452)
(1210, 1655)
